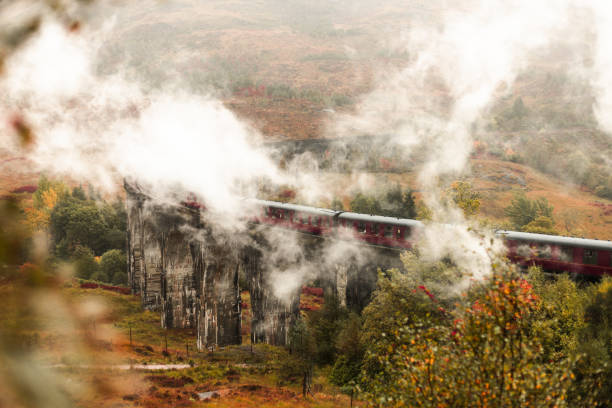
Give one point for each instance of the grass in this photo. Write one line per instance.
(244, 376)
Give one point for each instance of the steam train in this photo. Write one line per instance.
(582, 257)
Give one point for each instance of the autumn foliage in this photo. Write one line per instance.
(481, 354)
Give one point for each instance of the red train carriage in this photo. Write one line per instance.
(378, 230)
(371, 229)
(312, 220)
(588, 257)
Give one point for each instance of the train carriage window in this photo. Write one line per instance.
(389, 231)
(361, 228)
(316, 220)
(524, 250)
(566, 254)
(544, 251)
(589, 257)
(611, 259)
(374, 229)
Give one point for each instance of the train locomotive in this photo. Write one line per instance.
(578, 256)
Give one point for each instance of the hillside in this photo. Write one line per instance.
(291, 70)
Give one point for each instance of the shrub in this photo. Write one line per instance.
(99, 276)
(113, 261)
(481, 355)
(523, 211)
(120, 278)
(325, 324)
(84, 262)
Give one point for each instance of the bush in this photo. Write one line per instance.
(541, 225)
(365, 204)
(595, 343)
(522, 211)
(120, 278)
(84, 262)
(344, 371)
(115, 238)
(350, 350)
(481, 354)
(113, 261)
(99, 276)
(98, 225)
(325, 324)
(299, 364)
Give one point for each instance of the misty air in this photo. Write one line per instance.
(305, 203)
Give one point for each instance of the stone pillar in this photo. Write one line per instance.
(272, 317)
(135, 231)
(341, 275)
(151, 278)
(360, 283)
(218, 312)
(178, 288)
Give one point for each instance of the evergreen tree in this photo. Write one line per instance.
(522, 211)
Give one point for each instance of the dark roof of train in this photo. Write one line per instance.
(556, 240)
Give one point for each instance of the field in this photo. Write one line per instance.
(96, 363)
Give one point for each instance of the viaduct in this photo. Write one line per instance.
(188, 270)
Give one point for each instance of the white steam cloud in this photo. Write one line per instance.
(602, 64)
(100, 129)
(456, 69)
(103, 128)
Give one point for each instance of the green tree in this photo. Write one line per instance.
(523, 211)
(399, 203)
(350, 351)
(79, 193)
(481, 355)
(84, 262)
(44, 199)
(337, 205)
(112, 262)
(115, 217)
(464, 196)
(364, 204)
(44, 185)
(99, 276)
(559, 317)
(398, 301)
(97, 225)
(86, 226)
(299, 365)
(541, 225)
(324, 325)
(120, 278)
(594, 379)
(518, 109)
